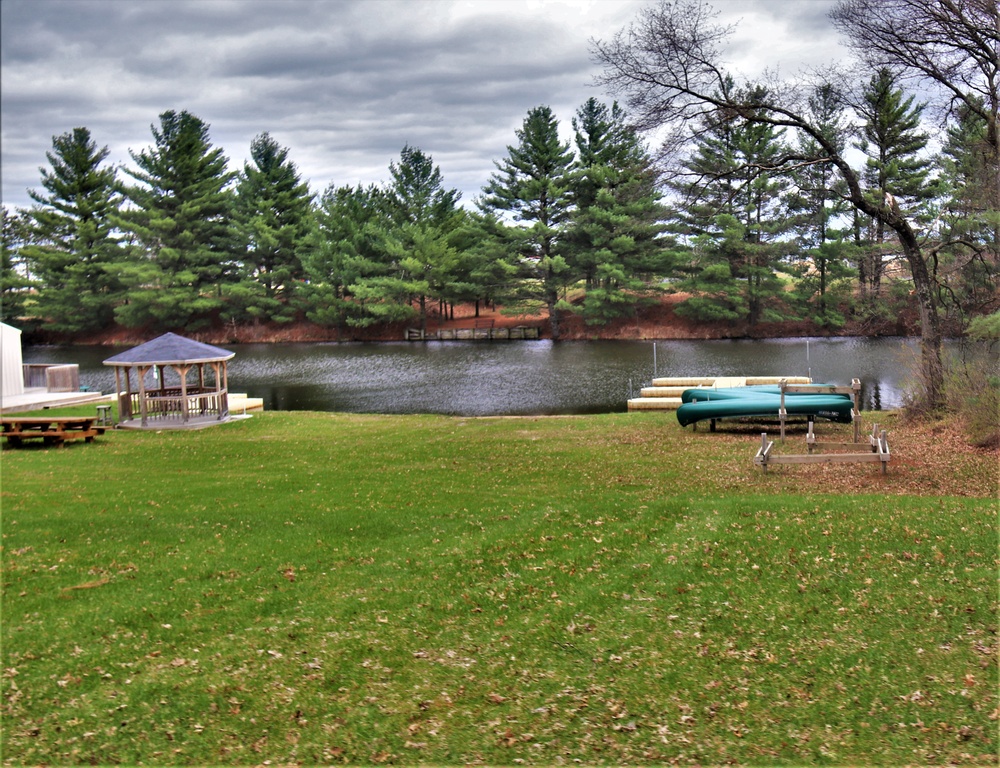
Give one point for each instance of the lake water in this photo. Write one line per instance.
(521, 377)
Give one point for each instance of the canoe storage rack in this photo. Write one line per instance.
(878, 442)
(845, 452)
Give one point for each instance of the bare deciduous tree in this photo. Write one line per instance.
(668, 66)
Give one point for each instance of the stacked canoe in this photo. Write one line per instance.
(764, 401)
(664, 394)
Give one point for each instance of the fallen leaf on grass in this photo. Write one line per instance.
(88, 585)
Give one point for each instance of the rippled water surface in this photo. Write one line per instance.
(519, 377)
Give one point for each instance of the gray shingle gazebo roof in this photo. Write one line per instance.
(170, 349)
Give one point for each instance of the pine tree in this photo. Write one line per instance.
(346, 248)
(970, 213)
(532, 185)
(736, 213)
(892, 141)
(15, 283)
(613, 238)
(706, 184)
(182, 222)
(273, 214)
(817, 202)
(487, 273)
(423, 215)
(818, 196)
(416, 194)
(73, 251)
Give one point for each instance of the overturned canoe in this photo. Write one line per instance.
(737, 402)
(739, 393)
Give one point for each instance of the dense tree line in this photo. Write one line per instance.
(765, 214)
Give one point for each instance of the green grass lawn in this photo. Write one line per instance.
(328, 588)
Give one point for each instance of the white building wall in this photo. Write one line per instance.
(11, 371)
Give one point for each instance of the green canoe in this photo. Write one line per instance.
(702, 404)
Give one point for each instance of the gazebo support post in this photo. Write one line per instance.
(141, 373)
(118, 393)
(182, 371)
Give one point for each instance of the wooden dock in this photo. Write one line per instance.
(485, 331)
(664, 394)
(239, 403)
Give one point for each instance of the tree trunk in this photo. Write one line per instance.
(931, 365)
(888, 212)
(552, 297)
(862, 263)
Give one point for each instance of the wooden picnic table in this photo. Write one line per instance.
(54, 430)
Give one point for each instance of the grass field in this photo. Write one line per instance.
(328, 588)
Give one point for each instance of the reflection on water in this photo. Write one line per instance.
(520, 377)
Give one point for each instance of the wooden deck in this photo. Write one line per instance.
(37, 399)
(53, 430)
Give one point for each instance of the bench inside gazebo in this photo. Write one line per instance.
(172, 382)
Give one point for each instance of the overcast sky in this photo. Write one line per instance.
(344, 84)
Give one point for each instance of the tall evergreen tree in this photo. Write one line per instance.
(182, 220)
(487, 271)
(892, 142)
(735, 215)
(273, 214)
(423, 214)
(532, 185)
(613, 238)
(819, 191)
(971, 213)
(817, 202)
(73, 250)
(345, 247)
(707, 182)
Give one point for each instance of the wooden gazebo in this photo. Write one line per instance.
(154, 402)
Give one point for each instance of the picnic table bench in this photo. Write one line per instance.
(54, 430)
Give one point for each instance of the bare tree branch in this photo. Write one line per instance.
(953, 44)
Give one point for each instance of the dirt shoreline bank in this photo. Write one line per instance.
(657, 322)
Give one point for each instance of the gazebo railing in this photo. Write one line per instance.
(175, 406)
